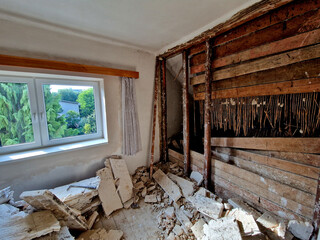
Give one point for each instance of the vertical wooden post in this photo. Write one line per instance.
(316, 211)
(164, 112)
(185, 107)
(207, 117)
(155, 98)
(160, 109)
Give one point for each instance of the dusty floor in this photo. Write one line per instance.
(136, 224)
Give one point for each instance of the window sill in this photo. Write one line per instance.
(44, 152)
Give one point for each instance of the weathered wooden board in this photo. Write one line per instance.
(167, 185)
(29, 227)
(295, 71)
(45, 200)
(289, 166)
(107, 190)
(290, 27)
(288, 87)
(294, 180)
(303, 145)
(120, 171)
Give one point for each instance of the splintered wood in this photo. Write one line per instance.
(120, 171)
(29, 227)
(167, 185)
(107, 191)
(45, 200)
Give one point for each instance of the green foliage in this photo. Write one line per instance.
(86, 100)
(15, 115)
(68, 95)
(73, 119)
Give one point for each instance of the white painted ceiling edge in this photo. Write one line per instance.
(28, 20)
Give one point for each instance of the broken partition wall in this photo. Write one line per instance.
(256, 115)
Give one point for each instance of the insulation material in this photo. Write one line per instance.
(130, 121)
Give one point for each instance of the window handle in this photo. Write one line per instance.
(34, 117)
(41, 116)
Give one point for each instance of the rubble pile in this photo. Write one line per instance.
(184, 209)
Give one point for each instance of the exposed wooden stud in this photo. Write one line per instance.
(64, 66)
(155, 99)
(164, 111)
(207, 118)
(186, 115)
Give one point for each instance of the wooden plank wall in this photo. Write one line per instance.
(283, 183)
(276, 53)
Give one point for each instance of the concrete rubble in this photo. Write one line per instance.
(184, 209)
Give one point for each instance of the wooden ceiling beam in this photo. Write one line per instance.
(64, 66)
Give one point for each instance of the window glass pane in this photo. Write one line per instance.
(15, 115)
(70, 110)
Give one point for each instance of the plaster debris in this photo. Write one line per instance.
(268, 221)
(120, 171)
(186, 186)
(227, 206)
(196, 176)
(184, 220)
(237, 203)
(167, 185)
(107, 191)
(45, 200)
(207, 206)
(197, 229)
(221, 229)
(7, 210)
(28, 227)
(63, 234)
(249, 225)
(151, 198)
(6, 195)
(177, 230)
(301, 230)
(169, 212)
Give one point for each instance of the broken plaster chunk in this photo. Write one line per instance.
(169, 212)
(151, 198)
(301, 230)
(268, 221)
(206, 206)
(177, 230)
(221, 229)
(139, 185)
(249, 225)
(184, 220)
(7, 210)
(196, 176)
(186, 186)
(6, 195)
(238, 203)
(227, 206)
(167, 185)
(204, 192)
(197, 229)
(171, 236)
(144, 192)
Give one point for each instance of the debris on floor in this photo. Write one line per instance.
(183, 209)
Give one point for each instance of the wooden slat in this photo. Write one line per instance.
(289, 166)
(303, 145)
(252, 12)
(286, 44)
(275, 61)
(64, 66)
(290, 27)
(296, 71)
(273, 17)
(265, 193)
(207, 117)
(303, 158)
(316, 213)
(288, 87)
(299, 182)
(186, 120)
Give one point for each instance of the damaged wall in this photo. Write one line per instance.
(50, 171)
(274, 54)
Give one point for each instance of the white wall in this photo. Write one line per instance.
(38, 173)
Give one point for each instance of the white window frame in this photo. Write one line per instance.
(35, 83)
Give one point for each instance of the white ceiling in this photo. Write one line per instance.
(152, 25)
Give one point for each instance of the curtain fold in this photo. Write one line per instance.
(130, 122)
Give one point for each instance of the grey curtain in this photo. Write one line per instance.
(130, 122)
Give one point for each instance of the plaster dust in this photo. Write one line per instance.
(59, 169)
